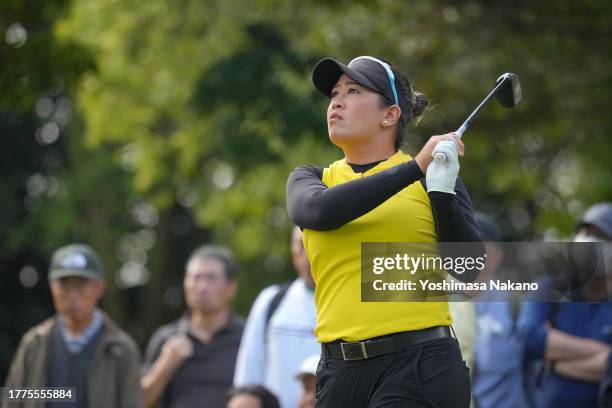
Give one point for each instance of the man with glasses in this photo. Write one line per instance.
(191, 361)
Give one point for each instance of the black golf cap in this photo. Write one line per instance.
(370, 72)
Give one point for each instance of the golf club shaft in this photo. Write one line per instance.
(441, 157)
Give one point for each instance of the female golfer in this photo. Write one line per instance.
(378, 354)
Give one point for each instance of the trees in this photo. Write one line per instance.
(244, 99)
(185, 119)
(37, 148)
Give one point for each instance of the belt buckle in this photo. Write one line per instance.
(363, 355)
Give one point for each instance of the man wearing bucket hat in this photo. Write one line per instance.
(80, 347)
(573, 338)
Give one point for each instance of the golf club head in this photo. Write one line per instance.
(509, 94)
(507, 91)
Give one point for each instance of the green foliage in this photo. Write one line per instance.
(188, 117)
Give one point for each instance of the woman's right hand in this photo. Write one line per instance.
(425, 156)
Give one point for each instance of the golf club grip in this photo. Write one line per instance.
(441, 157)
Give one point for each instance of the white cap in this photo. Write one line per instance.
(308, 366)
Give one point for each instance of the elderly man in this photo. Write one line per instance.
(279, 332)
(80, 347)
(190, 363)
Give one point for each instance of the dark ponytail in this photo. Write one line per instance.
(419, 103)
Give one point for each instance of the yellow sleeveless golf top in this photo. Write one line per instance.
(335, 258)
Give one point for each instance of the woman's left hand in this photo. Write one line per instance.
(460, 146)
(425, 156)
(442, 176)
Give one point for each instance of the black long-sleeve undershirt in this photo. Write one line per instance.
(313, 205)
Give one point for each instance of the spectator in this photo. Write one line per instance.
(252, 396)
(80, 347)
(605, 392)
(498, 372)
(307, 376)
(573, 338)
(279, 332)
(190, 362)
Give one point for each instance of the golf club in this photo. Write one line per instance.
(508, 93)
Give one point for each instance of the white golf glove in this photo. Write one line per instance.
(442, 176)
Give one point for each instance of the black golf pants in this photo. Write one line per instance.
(429, 374)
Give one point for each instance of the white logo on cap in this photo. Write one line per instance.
(77, 261)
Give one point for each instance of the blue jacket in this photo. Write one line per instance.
(582, 319)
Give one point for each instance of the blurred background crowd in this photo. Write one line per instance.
(147, 129)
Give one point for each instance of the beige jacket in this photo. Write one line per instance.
(113, 379)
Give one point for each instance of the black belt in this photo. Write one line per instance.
(360, 350)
